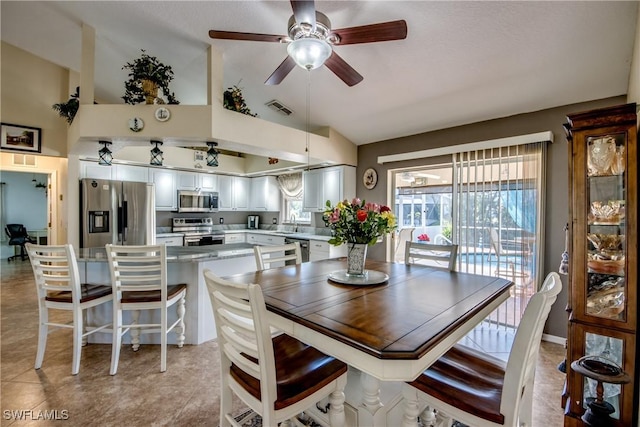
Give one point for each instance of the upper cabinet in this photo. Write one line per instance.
(603, 272)
(265, 194)
(131, 173)
(166, 190)
(234, 193)
(334, 184)
(197, 181)
(93, 170)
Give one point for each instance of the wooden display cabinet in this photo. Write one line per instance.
(602, 300)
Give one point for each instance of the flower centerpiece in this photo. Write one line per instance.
(358, 224)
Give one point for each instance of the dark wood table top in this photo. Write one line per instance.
(401, 319)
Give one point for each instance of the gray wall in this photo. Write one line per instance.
(557, 175)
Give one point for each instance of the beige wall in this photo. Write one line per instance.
(30, 86)
(557, 174)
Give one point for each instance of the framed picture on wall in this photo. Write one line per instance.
(20, 138)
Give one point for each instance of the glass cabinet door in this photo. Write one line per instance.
(606, 294)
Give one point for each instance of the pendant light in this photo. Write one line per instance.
(212, 154)
(104, 154)
(156, 154)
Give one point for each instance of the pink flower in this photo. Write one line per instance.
(372, 207)
(356, 201)
(423, 238)
(335, 216)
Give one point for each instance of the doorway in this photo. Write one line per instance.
(24, 199)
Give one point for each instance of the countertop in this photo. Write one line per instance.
(182, 253)
(296, 235)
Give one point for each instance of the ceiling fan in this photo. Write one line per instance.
(311, 41)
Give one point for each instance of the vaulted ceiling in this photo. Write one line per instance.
(461, 62)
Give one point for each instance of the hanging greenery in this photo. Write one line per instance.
(68, 110)
(233, 100)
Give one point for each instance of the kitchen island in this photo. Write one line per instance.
(185, 264)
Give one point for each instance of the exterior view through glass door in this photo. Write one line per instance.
(488, 203)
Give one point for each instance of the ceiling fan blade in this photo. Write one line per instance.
(232, 35)
(385, 31)
(304, 11)
(281, 72)
(343, 70)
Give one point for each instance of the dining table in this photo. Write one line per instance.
(388, 327)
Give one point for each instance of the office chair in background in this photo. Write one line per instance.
(18, 236)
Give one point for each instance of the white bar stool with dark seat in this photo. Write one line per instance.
(139, 280)
(58, 285)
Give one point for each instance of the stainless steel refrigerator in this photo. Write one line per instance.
(118, 212)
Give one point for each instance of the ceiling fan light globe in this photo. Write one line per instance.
(309, 53)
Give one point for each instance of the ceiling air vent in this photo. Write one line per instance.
(278, 106)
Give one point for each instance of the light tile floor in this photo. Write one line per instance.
(140, 395)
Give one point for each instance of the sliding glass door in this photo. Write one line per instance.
(489, 203)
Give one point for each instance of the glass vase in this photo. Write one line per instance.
(356, 257)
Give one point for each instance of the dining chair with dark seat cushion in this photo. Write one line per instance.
(277, 377)
(18, 236)
(480, 390)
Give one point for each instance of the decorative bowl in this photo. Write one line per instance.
(599, 263)
(608, 243)
(606, 213)
(601, 153)
(609, 303)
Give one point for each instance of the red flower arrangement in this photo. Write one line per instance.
(424, 238)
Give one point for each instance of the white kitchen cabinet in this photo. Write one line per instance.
(234, 238)
(197, 181)
(320, 249)
(264, 239)
(334, 184)
(166, 190)
(170, 241)
(131, 173)
(265, 194)
(89, 169)
(234, 193)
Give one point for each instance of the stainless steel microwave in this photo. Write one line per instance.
(197, 201)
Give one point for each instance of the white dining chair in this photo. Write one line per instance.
(480, 390)
(58, 285)
(277, 377)
(266, 256)
(404, 235)
(441, 256)
(139, 281)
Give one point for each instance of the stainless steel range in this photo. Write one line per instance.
(197, 231)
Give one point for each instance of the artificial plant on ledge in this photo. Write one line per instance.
(67, 110)
(234, 101)
(146, 76)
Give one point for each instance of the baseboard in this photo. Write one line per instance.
(554, 339)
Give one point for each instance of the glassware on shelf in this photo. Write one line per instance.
(600, 156)
(618, 164)
(607, 243)
(606, 213)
